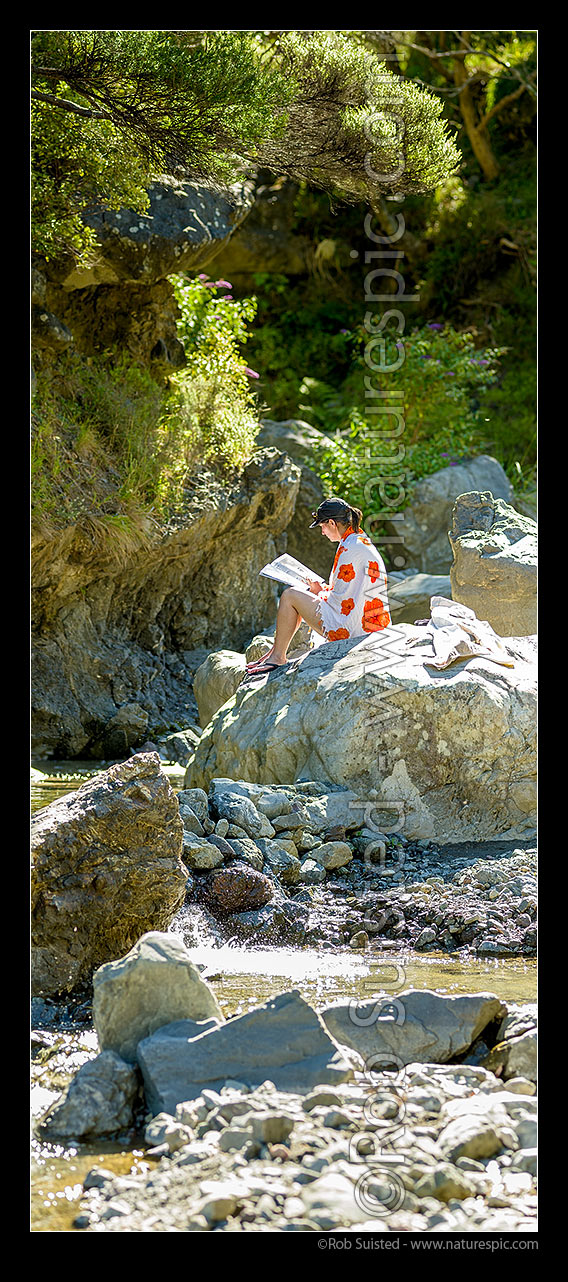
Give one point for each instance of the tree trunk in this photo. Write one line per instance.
(478, 137)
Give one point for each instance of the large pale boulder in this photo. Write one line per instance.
(106, 868)
(154, 984)
(494, 570)
(283, 1040)
(216, 681)
(424, 524)
(449, 754)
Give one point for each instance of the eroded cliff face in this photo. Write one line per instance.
(117, 637)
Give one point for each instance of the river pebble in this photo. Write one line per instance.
(317, 1180)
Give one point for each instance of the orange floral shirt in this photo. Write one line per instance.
(355, 602)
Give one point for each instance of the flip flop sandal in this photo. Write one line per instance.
(262, 671)
(250, 667)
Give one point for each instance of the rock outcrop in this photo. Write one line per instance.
(296, 438)
(449, 754)
(125, 298)
(106, 868)
(494, 570)
(424, 525)
(117, 637)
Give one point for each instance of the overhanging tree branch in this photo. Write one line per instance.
(498, 106)
(66, 105)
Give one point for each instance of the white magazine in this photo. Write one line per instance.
(286, 569)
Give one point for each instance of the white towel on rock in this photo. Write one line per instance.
(455, 633)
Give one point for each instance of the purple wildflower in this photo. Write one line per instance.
(225, 284)
(203, 276)
(433, 325)
(251, 372)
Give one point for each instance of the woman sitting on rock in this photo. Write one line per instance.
(353, 603)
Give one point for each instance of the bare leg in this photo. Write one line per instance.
(294, 605)
(267, 658)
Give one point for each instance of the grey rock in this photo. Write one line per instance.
(246, 849)
(283, 1040)
(525, 1159)
(200, 854)
(515, 1056)
(425, 523)
(286, 866)
(106, 868)
(216, 681)
(409, 594)
(457, 776)
(155, 984)
(180, 747)
(470, 1136)
(98, 1101)
(494, 567)
(196, 800)
(333, 854)
(311, 871)
(445, 1182)
(417, 1026)
(185, 226)
(191, 824)
(241, 811)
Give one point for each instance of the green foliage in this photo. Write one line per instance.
(214, 406)
(113, 109)
(300, 328)
(111, 441)
(75, 162)
(440, 387)
(365, 128)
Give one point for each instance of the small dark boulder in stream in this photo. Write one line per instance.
(106, 868)
(235, 889)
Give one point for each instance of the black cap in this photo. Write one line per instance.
(331, 509)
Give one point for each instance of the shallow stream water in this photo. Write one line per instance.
(242, 977)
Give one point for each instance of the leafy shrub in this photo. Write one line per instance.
(444, 381)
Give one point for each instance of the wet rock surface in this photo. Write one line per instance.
(237, 888)
(338, 881)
